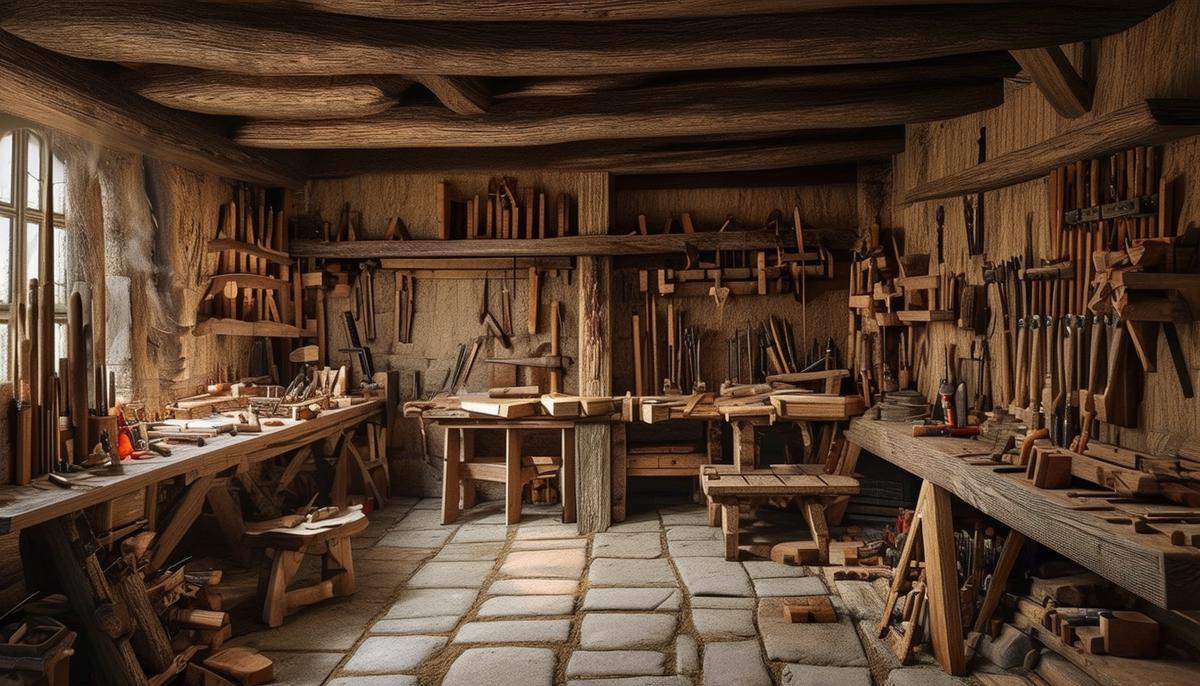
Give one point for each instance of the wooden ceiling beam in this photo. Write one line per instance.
(76, 98)
(957, 68)
(277, 97)
(259, 40)
(460, 94)
(586, 10)
(654, 114)
(630, 157)
(1056, 78)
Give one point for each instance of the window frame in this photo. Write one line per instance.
(19, 215)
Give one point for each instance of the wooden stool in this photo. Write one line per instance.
(728, 488)
(286, 548)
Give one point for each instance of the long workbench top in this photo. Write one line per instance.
(25, 506)
(1074, 525)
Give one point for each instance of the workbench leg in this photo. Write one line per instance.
(275, 605)
(941, 574)
(185, 514)
(814, 513)
(730, 514)
(450, 478)
(512, 476)
(714, 513)
(845, 467)
(229, 518)
(468, 455)
(339, 492)
(568, 475)
(743, 445)
(338, 565)
(620, 476)
(1004, 566)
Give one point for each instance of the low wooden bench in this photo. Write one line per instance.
(728, 489)
(286, 549)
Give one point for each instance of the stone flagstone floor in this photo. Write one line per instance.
(651, 602)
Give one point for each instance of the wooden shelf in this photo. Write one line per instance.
(236, 327)
(1150, 122)
(566, 246)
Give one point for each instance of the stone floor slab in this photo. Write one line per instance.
(533, 587)
(674, 680)
(395, 654)
(480, 533)
(723, 625)
(549, 544)
(537, 532)
(432, 603)
(807, 675)
(694, 533)
(606, 571)
(557, 564)
(415, 538)
(634, 545)
(861, 599)
(599, 663)
(667, 599)
(696, 548)
(719, 603)
(796, 586)
(302, 668)
(696, 516)
(379, 680)
(766, 569)
(527, 606)
(503, 667)
(922, 676)
(469, 552)
(617, 631)
(713, 577)
(416, 625)
(419, 519)
(647, 521)
(451, 575)
(428, 504)
(515, 631)
(687, 655)
(736, 663)
(833, 644)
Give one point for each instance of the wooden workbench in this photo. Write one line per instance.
(25, 506)
(1147, 565)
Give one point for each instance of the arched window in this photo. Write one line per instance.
(24, 163)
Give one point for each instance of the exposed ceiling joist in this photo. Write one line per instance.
(265, 41)
(74, 97)
(586, 10)
(652, 114)
(1056, 78)
(460, 94)
(945, 69)
(632, 157)
(278, 97)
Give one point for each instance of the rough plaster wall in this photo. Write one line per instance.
(1157, 58)
(445, 311)
(823, 206)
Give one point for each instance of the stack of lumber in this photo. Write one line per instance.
(515, 403)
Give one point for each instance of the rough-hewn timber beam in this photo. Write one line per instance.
(585, 10)
(460, 94)
(652, 114)
(72, 96)
(266, 41)
(1056, 78)
(958, 68)
(645, 157)
(277, 97)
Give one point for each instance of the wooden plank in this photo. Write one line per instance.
(236, 327)
(460, 94)
(451, 483)
(565, 246)
(1147, 565)
(476, 263)
(243, 248)
(507, 408)
(1150, 122)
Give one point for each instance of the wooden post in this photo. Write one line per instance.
(512, 476)
(568, 475)
(450, 478)
(593, 440)
(945, 615)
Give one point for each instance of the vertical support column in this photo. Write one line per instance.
(593, 440)
(568, 475)
(512, 476)
(450, 475)
(941, 575)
